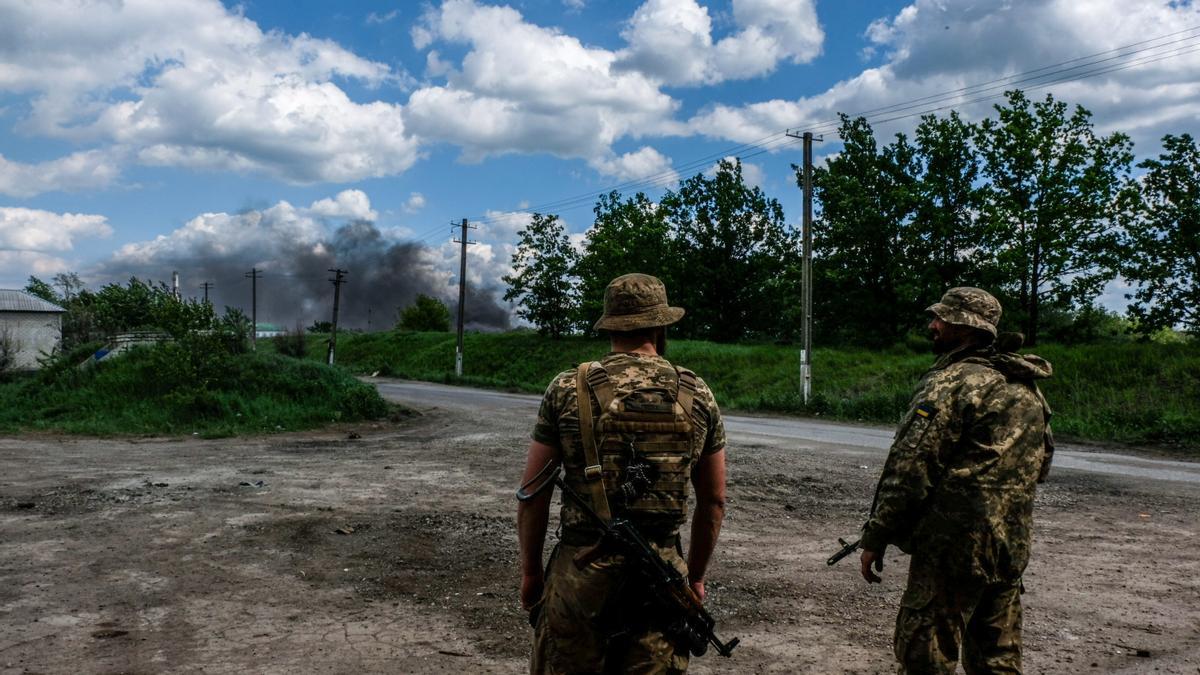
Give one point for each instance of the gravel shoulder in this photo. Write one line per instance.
(396, 552)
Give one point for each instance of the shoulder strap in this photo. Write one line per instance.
(593, 473)
(686, 394)
(597, 378)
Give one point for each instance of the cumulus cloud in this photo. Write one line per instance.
(640, 164)
(24, 229)
(924, 46)
(526, 88)
(672, 40)
(194, 84)
(77, 171)
(16, 266)
(414, 203)
(348, 204)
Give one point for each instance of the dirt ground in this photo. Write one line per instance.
(396, 552)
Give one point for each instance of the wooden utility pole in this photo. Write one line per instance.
(206, 285)
(253, 275)
(462, 295)
(806, 269)
(337, 282)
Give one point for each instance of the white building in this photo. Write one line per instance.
(29, 327)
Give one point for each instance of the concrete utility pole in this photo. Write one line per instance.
(462, 295)
(206, 285)
(175, 285)
(337, 282)
(806, 269)
(253, 275)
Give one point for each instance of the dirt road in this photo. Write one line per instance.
(395, 552)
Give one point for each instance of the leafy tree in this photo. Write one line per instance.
(946, 231)
(627, 236)
(70, 283)
(321, 327)
(1164, 231)
(863, 245)
(1050, 203)
(730, 241)
(42, 290)
(425, 314)
(541, 280)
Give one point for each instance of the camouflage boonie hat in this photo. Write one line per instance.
(967, 306)
(635, 301)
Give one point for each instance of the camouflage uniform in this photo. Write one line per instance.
(581, 627)
(957, 493)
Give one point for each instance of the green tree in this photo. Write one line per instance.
(627, 236)
(425, 314)
(1052, 196)
(541, 281)
(730, 242)
(42, 290)
(863, 243)
(1164, 231)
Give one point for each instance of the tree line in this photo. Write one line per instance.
(1032, 204)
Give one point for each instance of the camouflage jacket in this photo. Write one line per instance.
(959, 481)
(558, 418)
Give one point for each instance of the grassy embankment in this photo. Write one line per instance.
(1123, 392)
(168, 389)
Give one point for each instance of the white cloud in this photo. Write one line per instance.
(933, 46)
(24, 229)
(77, 171)
(191, 83)
(348, 204)
(414, 203)
(752, 174)
(16, 266)
(575, 5)
(672, 40)
(381, 18)
(526, 88)
(644, 163)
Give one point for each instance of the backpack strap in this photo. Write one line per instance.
(686, 394)
(593, 473)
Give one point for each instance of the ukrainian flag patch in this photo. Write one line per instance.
(925, 410)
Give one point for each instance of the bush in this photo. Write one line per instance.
(426, 314)
(291, 344)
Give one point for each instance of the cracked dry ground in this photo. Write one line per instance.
(395, 552)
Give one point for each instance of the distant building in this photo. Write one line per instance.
(29, 327)
(268, 330)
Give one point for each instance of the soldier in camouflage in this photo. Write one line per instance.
(957, 493)
(581, 623)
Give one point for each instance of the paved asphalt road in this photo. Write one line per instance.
(802, 434)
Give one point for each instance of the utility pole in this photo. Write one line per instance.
(462, 294)
(253, 275)
(337, 282)
(206, 285)
(175, 285)
(806, 269)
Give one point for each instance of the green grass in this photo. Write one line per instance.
(158, 391)
(1119, 392)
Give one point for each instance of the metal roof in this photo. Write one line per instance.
(20, 301)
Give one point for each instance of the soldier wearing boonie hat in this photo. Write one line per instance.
(957, 493)
(582, 623)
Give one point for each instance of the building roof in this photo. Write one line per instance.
(20, 301)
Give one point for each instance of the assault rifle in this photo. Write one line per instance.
(667, 597)
(847, 549)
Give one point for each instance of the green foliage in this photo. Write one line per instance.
(292, 344)
(425, 314)
(43, 290)
(193, 385)
(1165, 232)
(627, 236)
(1051, 198)
(732, 250)
(541, 280)
(1118, 391)
(321, 327)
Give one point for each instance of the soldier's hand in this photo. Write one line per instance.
(868, 559)
(532, 586)
(698, 589)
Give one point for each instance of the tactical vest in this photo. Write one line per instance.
(638, 454)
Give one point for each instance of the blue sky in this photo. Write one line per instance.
(146, 136)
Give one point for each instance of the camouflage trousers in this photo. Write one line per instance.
(937, 617)
(575, 619)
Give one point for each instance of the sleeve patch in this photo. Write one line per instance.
(926, 410)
